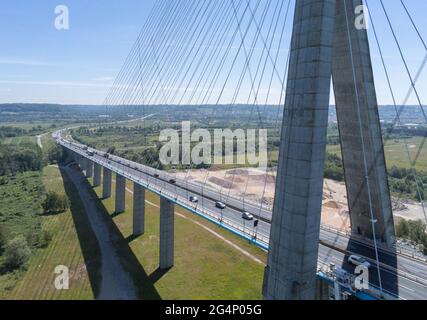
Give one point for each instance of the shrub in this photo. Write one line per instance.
(402, 229)
(16, 253)
(55, 203)
(3, 181)
(413, 230)
(333, 167)
(38, 238)
(55, 154)
(2, 238)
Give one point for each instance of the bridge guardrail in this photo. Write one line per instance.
(257, 238)
(414, 254)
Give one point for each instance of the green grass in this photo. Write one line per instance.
(396, 155)
(17, 141)
(121, 141)
(37, 283)
(44, 125)
(20, 201)
(205, 266)
(19, 205)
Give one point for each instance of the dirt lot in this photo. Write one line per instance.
(260, 186)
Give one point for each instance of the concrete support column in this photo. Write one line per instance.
(167, 219)
(294, 240)
(120, 193)
(82, 164)
(360, 129)
(89, 168)
(138, 209)
(106, 183)
(97, 175)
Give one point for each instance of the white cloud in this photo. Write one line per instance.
(23, 62)
(103, 79)
(57, 83)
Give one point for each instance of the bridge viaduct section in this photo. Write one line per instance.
(321, 48)
(167, 208)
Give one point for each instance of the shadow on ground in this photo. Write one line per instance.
(90, 248)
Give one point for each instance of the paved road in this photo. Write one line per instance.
(400, 275)
(39, 140)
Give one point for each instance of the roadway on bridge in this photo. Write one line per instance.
(397, 271)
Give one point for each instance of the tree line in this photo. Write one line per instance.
(13, 159)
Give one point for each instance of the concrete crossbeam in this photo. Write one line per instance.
(106, 183)
(120, 193)
(167, 219)
(138, 209)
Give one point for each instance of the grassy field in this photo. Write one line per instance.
(396, 155)
(121, 141)
(17, 141)
(20, 202)
(20, 205)
(64, 249)
(206, 267)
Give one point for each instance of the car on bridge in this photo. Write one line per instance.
(358, 261)
(194, 199)
(247, 216)
(220, 205)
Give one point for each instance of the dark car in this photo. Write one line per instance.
(155, 175)
(220, 205)
(173, 181)
(247, 216)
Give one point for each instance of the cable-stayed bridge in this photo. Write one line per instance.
(231, 52)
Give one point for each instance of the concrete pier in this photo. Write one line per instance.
(294, 240)
(138, 209)
(120, 193)
(106, 183)
(360, 129)
(82, 164)
(89, 168)
(97, 175)
(167, 219)
(321, 47)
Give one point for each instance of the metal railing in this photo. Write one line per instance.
(257, 238)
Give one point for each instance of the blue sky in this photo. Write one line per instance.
(43, 65)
